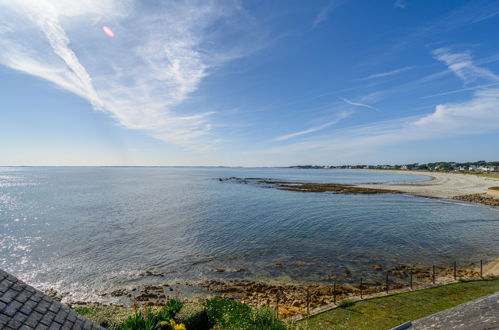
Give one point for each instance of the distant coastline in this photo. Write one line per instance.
(480, 166)
(453, 185)
(459, 186)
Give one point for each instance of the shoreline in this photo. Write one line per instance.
(293, 299)
(459, 186)
(439, 185)
(455, 186)
(263, 292)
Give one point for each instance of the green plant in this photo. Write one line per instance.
(145, 320)
(226, 312)
(346, 303)
(110, 317)
(149, 319)
(230, 314)
(170, 310)
(265, 318)
(194, 316)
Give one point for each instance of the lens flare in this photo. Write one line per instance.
(107, 30)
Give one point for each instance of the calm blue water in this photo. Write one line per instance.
(87, 230)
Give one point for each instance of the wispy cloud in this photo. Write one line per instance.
(156, 60)
(327, 11)
(471, 13)
(460, 90)
(387, 73)
(342, 115)
(362, 105)
(461, 64)
(399, 4)
(479, 115)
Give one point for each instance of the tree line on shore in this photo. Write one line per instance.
(479, 166)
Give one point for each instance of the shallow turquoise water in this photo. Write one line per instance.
(86, 230)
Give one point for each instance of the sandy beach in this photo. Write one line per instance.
(441, 185)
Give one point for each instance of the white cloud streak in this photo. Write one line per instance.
(479, 115)
(470, 13)
(327, 11)
(460, 90)
(399, 4)
(362, 105)
(342, 115)
(157, 59)
(388, 73)
(461, 65)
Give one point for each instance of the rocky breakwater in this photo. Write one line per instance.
(309, 187)
(491, 197)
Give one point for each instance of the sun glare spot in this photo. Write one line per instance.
(107, 30)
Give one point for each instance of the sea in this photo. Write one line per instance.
(84, 231)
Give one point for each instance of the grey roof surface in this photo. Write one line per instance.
(479, 314)
(24, 307)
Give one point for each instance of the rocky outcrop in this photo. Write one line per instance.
(479, 198)
(310, 187)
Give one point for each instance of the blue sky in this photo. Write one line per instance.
(251, 83)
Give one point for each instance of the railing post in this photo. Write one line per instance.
(455, 270)
(360, 287)
(433, 274)
(277, 305)
(481, 269)
(387, 285)
(308, 302)
(410, 279)
(334, 292)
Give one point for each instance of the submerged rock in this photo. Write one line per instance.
(151, 273)
(347, 272)
(219, 270)
(300, 263)
(53, 294)
(118, 293)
